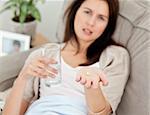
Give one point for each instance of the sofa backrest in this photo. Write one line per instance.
(10, 67)
(133, 31)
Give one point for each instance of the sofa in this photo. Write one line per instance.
(133, 31)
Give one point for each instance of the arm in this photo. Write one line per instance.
(15, 104)
(115, 64)
(91, 78)
(35, 66)
(96, 101)
(24, 106)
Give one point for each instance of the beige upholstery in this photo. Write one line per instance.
(10, 66)
(133, 31)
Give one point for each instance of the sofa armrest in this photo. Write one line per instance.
(6, 84)
(10, 67)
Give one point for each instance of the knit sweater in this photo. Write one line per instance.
(114, 62)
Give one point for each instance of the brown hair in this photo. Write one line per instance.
(95, 49)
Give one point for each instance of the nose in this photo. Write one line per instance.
(92, 21)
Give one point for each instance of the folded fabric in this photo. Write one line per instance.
(57, 105)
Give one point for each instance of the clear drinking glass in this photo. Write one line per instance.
(53, 50)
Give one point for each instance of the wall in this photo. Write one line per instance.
(50, 12)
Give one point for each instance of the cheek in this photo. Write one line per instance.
(78, 22)
(76, 26)
(100, 29)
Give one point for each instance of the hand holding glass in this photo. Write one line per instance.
(53, 51)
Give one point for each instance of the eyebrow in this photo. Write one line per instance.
(99, 14)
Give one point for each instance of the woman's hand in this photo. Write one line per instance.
(91, 77)
(39, 67)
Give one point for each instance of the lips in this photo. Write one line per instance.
(87, 31)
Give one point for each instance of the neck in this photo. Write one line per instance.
(74, 47)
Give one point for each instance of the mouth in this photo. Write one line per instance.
(87, 31)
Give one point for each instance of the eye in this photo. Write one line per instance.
(101, 18)
(87, 12)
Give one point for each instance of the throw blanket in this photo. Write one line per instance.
(57, 105)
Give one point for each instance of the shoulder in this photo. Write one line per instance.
(116, 50)
(115, 54)
(39, 51)
(33, 54)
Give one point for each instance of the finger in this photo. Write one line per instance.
(48, 60)
(88, 84)
(39, 71)
(83, 80)
(33, 73)
(95, 84)
(78, 78)
(43, 70)
(51, 70)
(39, 64)
(103, 78)
(50, 73)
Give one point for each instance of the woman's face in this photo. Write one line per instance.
(91, 20)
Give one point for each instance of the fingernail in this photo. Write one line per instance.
(106, 84)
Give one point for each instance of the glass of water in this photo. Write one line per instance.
(53, 50)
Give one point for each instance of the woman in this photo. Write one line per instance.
(103, 67)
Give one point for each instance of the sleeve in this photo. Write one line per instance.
(31, 88)
(115, 63)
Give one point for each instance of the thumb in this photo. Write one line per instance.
(103, 78)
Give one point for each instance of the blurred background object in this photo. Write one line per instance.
(25, 15)
(50, 14)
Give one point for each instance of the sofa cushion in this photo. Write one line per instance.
(133, 31)
(10, 66)
(132, 10)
